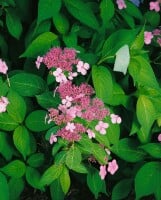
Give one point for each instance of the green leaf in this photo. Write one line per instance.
(36, 160)
(94, 182)
(142, 73)
(46, 9)
(139, 40)
(127, 18)
(65, 180)
(16, 107)
(102, 81)
(110, 46)
(51, 174)
(33, 177)
(99, 153)
(61, 23)
(153, 149)
(113, 133)
(33, 86)
(147, 180)
(16, 187)
(122, 59)
(4, 191)
(82, 12)
(127, 149)
(153, 18)
(146, 115)
(7, 123)
(48, 100)
(40, 45)
(56, 190)
(107, 11)
(15, 169)
(133, 10)
(21, 139)
(35, 121)
(121, 189)
(13, 23)
(5, 147)
(73, 157)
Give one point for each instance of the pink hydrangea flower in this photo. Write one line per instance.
(91, 134)
(159, 137)
(70, 127)
(72, 75)
(82, 67)
(101, 127)
(60, 77)
(121, 4)
(112, 167)
(103, 172)
(39, 61)
(3, 67)
(53, 138)
(3, 104)
(115, 119)
(154, 5)
(67, 101)
(148, 37)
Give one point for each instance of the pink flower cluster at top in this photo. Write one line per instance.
(3, 104)
(63, 61)
(76, 102)
(155, 34)
(112, 168)
(3, 67)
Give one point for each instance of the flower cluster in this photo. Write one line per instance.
(61, 61)
(3, 104)
(79, 112)
(155, 34)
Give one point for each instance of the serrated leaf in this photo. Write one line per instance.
(65, 180)
(15, 169)
(7, 123)
(122, 59)
(122, 189)
(150, 175)
(40, 45)
(51, 174)
(33, 86)
(36, 160)
(139, 40)
(82, 12)
(16, 107)
(35, 121)
(127, 149)
(16, 187)
(107, 11)
(13, 23)
(4, 189)
(21, 139)
(102, 81)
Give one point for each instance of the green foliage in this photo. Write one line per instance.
(4, 191)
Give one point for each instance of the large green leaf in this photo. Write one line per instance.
(65, 180)
(7, 123)
(36, 160)
(147, 180)
(13, 23)
(107, 11)
(4, 189)
(27, 84)
(5, 147)
(16, 107)
(102, 81)
(146, 115)
(47, 8)
(40, 45)
(56, 190)
(82, 12)
(35, 121)
(127, 149)
(15, 169)
(51, 174)
(16, 187)
(153, 149)
(121, 189)
(94, 182)
(21, 139)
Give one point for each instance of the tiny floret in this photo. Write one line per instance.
(154, 5)
(102, 172)
(148, 36)
(112, 167)
(121, 4)
(39, 61)
(101, 127)
(115, 119)
(91, 134)
(82, 67)
(3, 67)
(3, 104)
